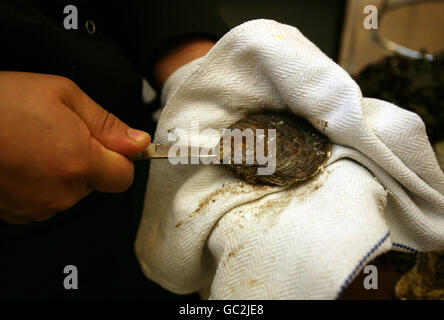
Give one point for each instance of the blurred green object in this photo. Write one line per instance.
(415, 85)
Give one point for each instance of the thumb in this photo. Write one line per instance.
(105, 127)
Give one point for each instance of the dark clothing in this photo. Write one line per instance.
(97, 235)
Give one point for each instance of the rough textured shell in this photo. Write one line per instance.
(301, 150)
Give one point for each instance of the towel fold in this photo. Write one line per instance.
(204, 230)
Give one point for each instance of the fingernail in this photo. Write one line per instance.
(137, 135)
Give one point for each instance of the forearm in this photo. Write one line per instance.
(178, 55)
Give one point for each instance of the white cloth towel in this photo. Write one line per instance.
(203, 230)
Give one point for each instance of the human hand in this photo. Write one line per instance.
(58, 145)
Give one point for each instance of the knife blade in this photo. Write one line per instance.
(159, 151)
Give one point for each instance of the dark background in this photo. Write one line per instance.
(319, 20)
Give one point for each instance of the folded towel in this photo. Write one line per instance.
(204, 230)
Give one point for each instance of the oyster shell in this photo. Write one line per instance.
(301, 150)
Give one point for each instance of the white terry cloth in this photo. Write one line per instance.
(202, 229)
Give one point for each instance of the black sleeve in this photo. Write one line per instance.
(150, 26)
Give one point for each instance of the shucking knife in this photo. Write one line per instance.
(158, 151)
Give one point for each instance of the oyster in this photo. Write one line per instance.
(425, 281)
(301, 150)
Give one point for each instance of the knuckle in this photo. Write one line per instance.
(66, 85)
